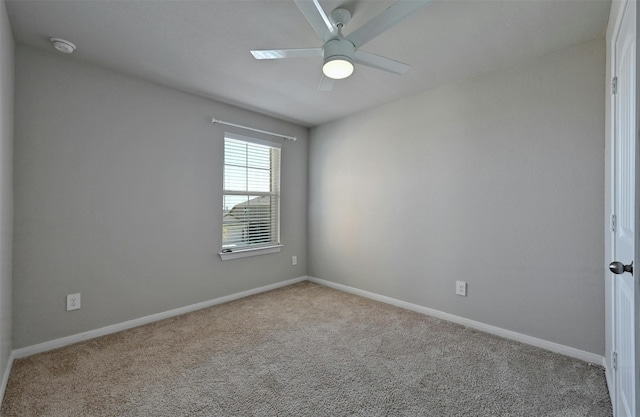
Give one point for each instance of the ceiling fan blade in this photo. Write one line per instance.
(286, 53)
(316, 16)
(326, 83)
(385, 21)
(380, 62)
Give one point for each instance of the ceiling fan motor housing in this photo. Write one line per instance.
(338, 58)
(339, 48)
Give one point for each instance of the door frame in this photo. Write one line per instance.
(637, 216)
(615, 19)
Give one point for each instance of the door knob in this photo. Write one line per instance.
(620, 268)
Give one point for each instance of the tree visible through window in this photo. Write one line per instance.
(251, 193)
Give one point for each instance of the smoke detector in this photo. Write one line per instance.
(62, 45)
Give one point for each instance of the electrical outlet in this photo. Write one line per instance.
(294, 260)
(461, 288)
(73, 302)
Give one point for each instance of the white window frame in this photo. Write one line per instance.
(228, 253)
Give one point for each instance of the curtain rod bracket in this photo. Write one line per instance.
(214, 121)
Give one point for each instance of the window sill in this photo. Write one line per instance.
(245, 253)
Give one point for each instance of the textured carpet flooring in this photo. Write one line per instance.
(304, 350)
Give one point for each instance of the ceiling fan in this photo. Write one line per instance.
(340, 52)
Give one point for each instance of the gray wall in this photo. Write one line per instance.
(6, 184)
(118, 196)
(497, 181)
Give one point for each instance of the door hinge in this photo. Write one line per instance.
(613, 222)
(614, 360)
(614, 85)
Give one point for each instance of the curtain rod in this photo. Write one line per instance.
(214, 121)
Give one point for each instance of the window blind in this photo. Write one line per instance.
(251, 195)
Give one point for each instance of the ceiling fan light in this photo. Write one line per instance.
(337, 67)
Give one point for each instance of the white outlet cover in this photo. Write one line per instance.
(73, 302)
(461, 288)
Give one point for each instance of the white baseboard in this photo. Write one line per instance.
(65, 341)
(80, 337)
(507, 334)
(5, 377)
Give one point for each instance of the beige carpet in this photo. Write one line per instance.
(304, 350)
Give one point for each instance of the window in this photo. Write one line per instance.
(251, 202)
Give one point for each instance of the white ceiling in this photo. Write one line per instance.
(202, 47)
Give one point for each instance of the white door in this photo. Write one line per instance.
(624, 142)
